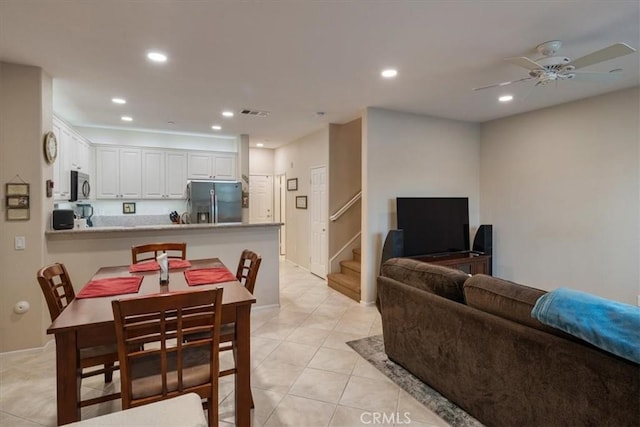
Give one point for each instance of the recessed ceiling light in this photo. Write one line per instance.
(389, 73)
(259, 144)
(505, 98)
(119, 101)
(216, 127)
(157, 56)
(227, 113)
(126, 119)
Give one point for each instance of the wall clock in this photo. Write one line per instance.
(50, 147)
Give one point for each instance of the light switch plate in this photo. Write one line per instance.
(20, 243)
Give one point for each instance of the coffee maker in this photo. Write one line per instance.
(85, 210)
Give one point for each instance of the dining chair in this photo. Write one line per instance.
(57, 288)
(156, 363)
(246, 274)
(148, 252)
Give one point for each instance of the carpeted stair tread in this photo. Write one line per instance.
(345, 284)
(350, 267)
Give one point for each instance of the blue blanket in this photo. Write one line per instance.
(610, 325)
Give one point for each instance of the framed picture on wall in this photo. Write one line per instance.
(292, 184)
(301, 202)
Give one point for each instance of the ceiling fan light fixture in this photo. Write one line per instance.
(505, 98)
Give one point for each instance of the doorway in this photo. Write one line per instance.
(261, 203)
(280, 210)
(318, 221)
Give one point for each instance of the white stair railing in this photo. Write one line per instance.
(346, 207)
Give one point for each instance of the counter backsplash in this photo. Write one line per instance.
(130, 220)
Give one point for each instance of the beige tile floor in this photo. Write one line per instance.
(303, 372)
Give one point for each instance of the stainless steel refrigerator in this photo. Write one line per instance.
(214, 201)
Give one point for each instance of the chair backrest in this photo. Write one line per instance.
(57, 288)
(155, 361)
(248, 269)
(140, 253)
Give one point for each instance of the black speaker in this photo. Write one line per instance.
(393, 246)
(483, 242)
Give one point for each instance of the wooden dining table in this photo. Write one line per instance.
(88, 322)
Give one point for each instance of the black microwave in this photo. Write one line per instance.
(80, 186)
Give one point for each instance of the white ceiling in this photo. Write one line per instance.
(296, 58)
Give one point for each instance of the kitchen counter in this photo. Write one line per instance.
(84, 251)
(169, 227)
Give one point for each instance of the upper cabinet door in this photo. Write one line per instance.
(224, 166)
(199, 166)
(130, 173)
(153, 174)
(176, 175)
(108, 174)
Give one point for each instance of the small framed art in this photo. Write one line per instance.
(301, 202)
(128, 208)
(292, 184)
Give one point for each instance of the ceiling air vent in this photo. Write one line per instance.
(255, 113)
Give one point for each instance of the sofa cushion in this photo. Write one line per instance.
(503, 298)
(436, 279)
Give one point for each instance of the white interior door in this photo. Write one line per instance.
(318, 217)
(280, 210)
(261, 198)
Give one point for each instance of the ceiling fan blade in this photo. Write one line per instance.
(613, 51)
(524, 62)
(597, 77)
(502, 84)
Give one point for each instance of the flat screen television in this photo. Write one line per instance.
(433, 225)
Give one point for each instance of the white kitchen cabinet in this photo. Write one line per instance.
(84, 156)
(61, 176)
(176, 174)
(209, 165)
(164, 174)
(118, 173)
(74, 153)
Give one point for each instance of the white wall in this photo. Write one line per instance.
(561, 188)
(25, 116)
(295, 161)
(261, 161)
(411, 155)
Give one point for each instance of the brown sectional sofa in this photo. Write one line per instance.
(473, 340)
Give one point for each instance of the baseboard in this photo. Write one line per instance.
(30, 350)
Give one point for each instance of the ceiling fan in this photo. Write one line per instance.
(551, 68)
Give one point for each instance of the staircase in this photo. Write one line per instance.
(347, 282)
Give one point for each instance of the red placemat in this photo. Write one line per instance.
(207, 276)
(153, 265)
(179, 263)
(110, 286)
(144, 266)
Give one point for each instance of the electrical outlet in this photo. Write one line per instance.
(20, 243)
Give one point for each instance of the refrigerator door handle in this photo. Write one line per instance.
(214, 211)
